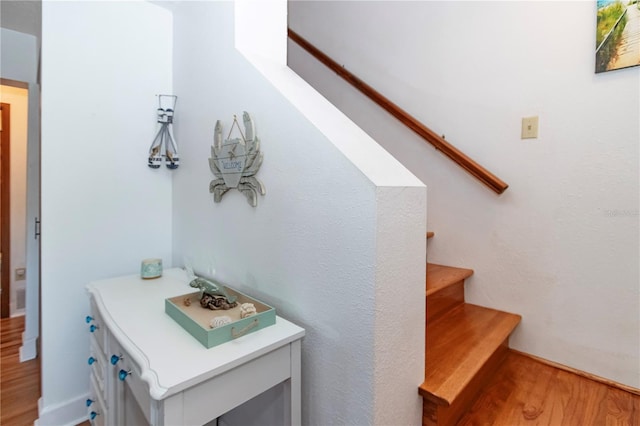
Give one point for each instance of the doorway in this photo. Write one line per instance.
(13, 194)
(20, 208)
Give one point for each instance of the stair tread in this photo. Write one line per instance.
(441, 276)
(458, 344)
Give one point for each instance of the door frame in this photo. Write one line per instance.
(5, 210)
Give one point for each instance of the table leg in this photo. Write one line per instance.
(292, 389)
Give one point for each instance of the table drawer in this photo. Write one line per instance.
(236, 386)
(97, 326)
(98, 365)
(127, 374)
(96, 409)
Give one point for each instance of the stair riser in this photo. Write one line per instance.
(444, 300)
(435, 414)
(429, 413)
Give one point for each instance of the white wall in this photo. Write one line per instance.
(18, 56)
(19, 100)
(560, 246)
(323, 246)
(103, 209)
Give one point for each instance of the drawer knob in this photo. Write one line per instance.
(88, 319)
(89, 402)
(91, 360)
(93, 415)
(115, 359)
(123, 374)
(93, 328)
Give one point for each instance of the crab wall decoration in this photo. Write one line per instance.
(234, 162)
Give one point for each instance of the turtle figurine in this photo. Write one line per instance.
(216, 302)
(212, 295)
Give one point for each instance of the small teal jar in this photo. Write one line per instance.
(151, 268)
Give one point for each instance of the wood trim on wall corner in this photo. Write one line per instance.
(599, 379)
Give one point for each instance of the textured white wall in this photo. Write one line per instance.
(313, 246)
(560, 246)
(103, 209)
(19, 100)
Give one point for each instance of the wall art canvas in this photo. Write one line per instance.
(617, 34)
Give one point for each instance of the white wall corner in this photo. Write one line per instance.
(399, 308)
(68, 413)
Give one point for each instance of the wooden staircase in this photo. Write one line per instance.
(465, 344)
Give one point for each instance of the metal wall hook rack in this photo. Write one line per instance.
(164, 137)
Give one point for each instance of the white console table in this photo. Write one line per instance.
(147, 369)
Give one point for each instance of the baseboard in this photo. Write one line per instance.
(590, 376)
(29, 349)
(69, 413)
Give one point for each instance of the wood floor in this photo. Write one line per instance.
(19, 382)
(526, 392)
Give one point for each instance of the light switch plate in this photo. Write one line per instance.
(529, 128)
(21, 274)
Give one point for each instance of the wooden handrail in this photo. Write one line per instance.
(482, 174)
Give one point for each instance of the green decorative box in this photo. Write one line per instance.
(187, 312)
